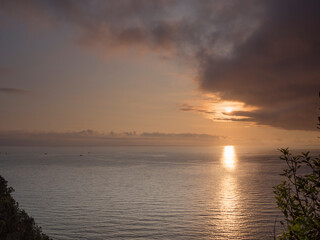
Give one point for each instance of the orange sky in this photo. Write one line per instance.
(161, 67)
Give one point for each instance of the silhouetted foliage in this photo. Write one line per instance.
(15, 224)
(318, 125)
(298, 196)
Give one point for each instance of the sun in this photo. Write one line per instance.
(228, 109)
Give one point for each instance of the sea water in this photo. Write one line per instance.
(147, 192)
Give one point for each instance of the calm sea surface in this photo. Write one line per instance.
(146, 192)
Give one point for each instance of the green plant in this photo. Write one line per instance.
(16, 224)
(298, 196)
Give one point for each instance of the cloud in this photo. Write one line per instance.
(276, 69)
(262, 53)
(189, 108)
(184, 27)
(12, 90)
(94, 138)
(216, 109)
(181, 135)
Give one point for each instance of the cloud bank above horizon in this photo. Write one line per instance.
(262, 54)
(94, 138)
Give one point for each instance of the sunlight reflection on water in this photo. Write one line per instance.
(229, 197)
(229, 157)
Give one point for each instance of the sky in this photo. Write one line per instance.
(130, 72)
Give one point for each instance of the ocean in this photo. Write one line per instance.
(146, 192)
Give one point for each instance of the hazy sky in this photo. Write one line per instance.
(241, 72)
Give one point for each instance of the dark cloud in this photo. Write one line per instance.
(94, 138)
(265, 53)
(188, 108)
(175, 25)
(276, 69)
(12, 90)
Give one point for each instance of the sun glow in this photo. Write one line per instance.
(229, 157)
(228, 109)
(215, 108)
